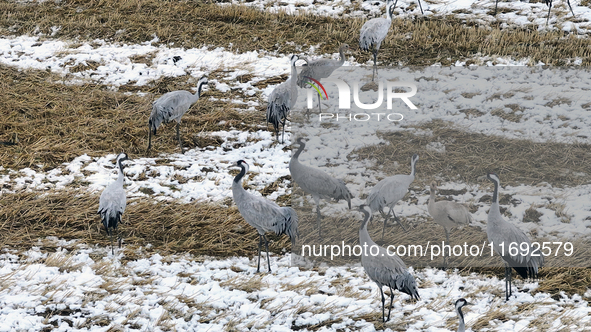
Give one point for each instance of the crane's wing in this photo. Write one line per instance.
(388, 191)
(170, 106)
(112, 205)
(267, 216)
(315, 181)
(390, 270)
(317, 69)
(373, 32)
(453, 214)
(279, 104)
(506, 233)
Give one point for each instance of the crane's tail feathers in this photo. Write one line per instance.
(276, 115)
(406, 284)
(342, 192)
(110, 220)
(289, 225)
(526, 268)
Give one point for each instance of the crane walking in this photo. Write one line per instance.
(384, 268)
(447, 214)
(172, 106)
(502, 234)
(389, 191)
(282, 100)
(112, 202)
(317, 183)
(262, 214)
(319, 69)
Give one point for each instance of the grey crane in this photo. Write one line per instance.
(171, 106)
(320, 68)
(459, 305)
(447, 214)
(503, 234)
(316, 182)
(548, 3)
(374, 31)
(389, 191)
(112, 202)
(262, 214)
(384, 268)
(282, 100)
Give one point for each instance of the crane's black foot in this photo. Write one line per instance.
(120, 242)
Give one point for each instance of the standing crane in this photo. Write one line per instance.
(316, 182)
(320, 68)
(385, 268)
(504, 235)
(112, 202)
(374, 31)
(389, 191)
(459, 305)
(282, 100)
(447, 214)
(262, 214)
(172, 106)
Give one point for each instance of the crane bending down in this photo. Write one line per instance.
(459, 305)
(172, 106)
(385, 269)
(317, 183)
(282, 100)
(389, 191)
(501, 232)
(447, 214)
(112, 202)
(319, 69)
(262, 214)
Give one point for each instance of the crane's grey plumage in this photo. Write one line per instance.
(389, 191)
(262, 214)
(447, 214)
(112, 202)
(500, 231)
(282, 100)
(459, 305)
(548, 3)
(320, 68)
(317, 183)
(385, 269)
(172, 106)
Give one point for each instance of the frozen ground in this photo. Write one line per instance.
(84, 288)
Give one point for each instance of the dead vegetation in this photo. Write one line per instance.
(55, 122)
(469, 156)
(422, 41)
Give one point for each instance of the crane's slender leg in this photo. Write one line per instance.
(398, 220)
(178, 136)
(149, 140)
(507, 271)
(111, 237)
(391, 301)
(549, 7)
(496, 4)
(383, 303)
(375, 63)
(447, 242)
(267, 247)
(260, 245)
(318, 216)
(571, 8)
(510, 281)
(419, 1)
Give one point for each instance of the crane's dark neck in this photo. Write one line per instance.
(495, 197)
(120, 165)
(462, 326)
(199, 87)
(296, 155)
(363, 226)
(389, 10)
(240, 175)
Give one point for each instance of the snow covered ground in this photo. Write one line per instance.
(85, 288)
